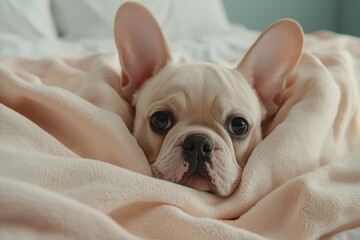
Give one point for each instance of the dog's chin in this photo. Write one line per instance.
(198, 182)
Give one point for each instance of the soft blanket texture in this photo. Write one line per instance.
(70, 169)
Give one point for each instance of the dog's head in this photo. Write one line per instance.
(198, 122)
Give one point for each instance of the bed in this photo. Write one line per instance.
(70, 169)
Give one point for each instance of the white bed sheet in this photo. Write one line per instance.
(229, 46)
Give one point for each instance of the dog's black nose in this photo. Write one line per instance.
(198, 147)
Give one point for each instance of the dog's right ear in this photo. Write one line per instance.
(142, 48)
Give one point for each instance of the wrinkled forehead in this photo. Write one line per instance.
(198, 76)
(200, 81)
(202, 87)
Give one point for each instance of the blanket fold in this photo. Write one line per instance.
(70, 168)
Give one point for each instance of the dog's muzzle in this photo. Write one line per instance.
(198, 151)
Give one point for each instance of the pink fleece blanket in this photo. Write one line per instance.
(69, 168)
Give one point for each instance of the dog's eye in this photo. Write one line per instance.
(238, 126)
(161, 121)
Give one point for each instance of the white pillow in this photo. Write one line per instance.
(28, 19)
(178, 18)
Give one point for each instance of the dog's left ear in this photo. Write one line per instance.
(271, 59)
(141, 45)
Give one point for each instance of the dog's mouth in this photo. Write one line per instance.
(197, 181)
(195, 178)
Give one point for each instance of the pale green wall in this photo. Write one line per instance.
(333, 15)
(350, 17)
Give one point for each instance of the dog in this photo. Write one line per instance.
(198, 123)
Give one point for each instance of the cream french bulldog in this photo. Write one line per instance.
(199, 122)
